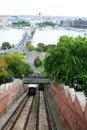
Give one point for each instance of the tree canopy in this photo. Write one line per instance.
(41, 47)
(29, 46)
(21, 23)
(13, 66)
(46, 23)
(37, 61)
(67, 60)
(5, 45)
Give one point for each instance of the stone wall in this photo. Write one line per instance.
(72, 107)
(9, 92)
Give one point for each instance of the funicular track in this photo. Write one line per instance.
(33, 114)
(21, 112)
(43, 120)
(20, 121)
(15, 113)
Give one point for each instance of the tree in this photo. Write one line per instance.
(37, 61)
(21, 23)
(41, 47)
(67, 60)
(27, 69)
(29, 46)
(49, 46)
(46, 23)
(5, 45)
(4, 76)
(13, 66)
(17, 67)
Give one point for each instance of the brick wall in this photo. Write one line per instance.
(72, 107)
(9, 92)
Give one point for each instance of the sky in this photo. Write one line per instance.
(77, 8)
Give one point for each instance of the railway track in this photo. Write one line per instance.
(31, 115)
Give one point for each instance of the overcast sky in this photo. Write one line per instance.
(46, 7)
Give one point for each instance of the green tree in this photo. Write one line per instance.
(27, 69)
(4, 76)
(49, 46)
(67, 60)
(17, 67)
(46, 23)
(13, 66)
(21, 23)
(37, 61)
(29, 46)
(41, 47)
(5, 45)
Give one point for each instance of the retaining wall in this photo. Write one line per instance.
(71, 105)
(9, 92)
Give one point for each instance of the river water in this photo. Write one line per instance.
(13, 36)
(44, 35)
(51, 36)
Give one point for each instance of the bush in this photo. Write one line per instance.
(37, 61)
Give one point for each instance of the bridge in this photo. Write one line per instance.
(36, 80)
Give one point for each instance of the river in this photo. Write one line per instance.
(13, 36)
(43, 35)
(51, 36)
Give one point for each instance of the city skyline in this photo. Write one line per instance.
(73, 8)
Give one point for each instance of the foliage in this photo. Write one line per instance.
(3, 70)
(67, 60)
(5, 45)
(26, 69)
(41, 47)
(49, 46)
(21, 23)
(13, 66)
(18, 67)
(22, 55)
(37, 61)
(46, 23)
(29, 46)
(4, 77)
